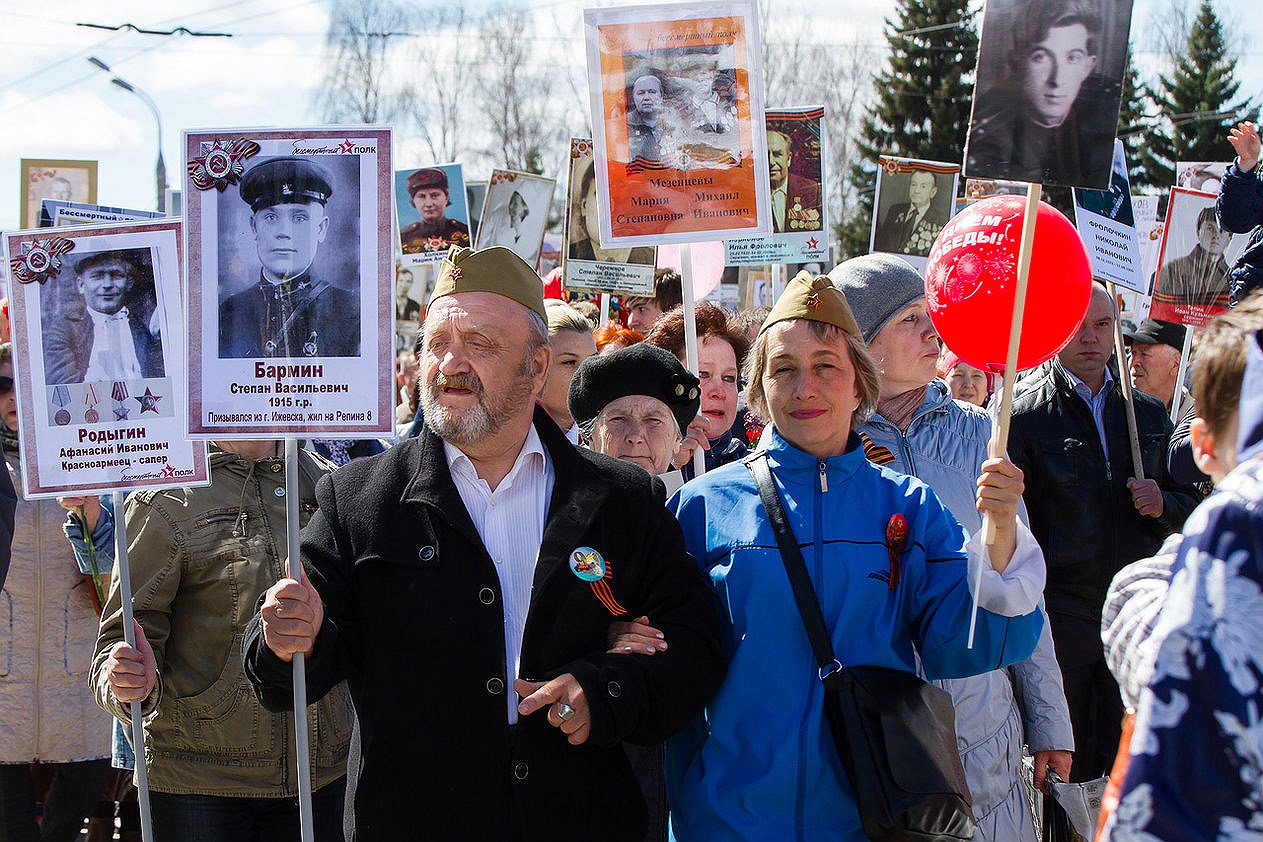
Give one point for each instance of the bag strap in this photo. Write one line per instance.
(795, 566)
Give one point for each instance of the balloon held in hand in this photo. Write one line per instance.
(971, 280)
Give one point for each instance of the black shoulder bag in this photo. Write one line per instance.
(894, 733)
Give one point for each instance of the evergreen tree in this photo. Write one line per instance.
(1195, 102)
(1133, 124)
(922, 100)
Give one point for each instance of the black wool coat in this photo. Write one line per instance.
(414, 623)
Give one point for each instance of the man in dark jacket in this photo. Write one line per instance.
(1089, 512)
(1240, 209)
(482, 562)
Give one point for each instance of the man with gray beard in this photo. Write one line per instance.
(463, 583)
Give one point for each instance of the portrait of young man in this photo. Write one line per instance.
(288, 309)
(1049, 86)
(1199, 277)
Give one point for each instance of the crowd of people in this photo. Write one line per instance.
(525, 616)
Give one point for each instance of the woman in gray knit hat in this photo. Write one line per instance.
(918, 429)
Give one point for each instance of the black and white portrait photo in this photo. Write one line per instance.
(914, 200)
(1196, 255)
(288, 270)
(97, 368)
(100, 319)
(515, 213)
(292, 240)
(682, 109)
(1048, 88)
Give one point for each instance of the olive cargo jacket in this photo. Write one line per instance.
(200, 558)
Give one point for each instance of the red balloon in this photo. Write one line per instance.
(971, 283)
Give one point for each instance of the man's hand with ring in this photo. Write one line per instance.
(567, 705)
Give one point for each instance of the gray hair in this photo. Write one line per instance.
(587, 428)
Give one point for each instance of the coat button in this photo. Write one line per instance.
(486, 596)
(495, 686)
(426, 553)
(614, 689)
(520, 771)
(279, 492)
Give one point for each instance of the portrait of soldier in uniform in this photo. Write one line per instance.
(109, 331)
(429, 193)
(290, 310)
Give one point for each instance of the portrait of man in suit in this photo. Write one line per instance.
(793, 195)
(115, 335)
(910, 227)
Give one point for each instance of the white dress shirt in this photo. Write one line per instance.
(113, 349)
(510, 522)
(1096, 403)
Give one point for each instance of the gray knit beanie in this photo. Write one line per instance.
(877, 286)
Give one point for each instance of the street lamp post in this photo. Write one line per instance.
(160, 171)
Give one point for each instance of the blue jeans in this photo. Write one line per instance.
(213, 818)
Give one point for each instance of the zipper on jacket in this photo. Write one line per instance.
(817, 543)
(907, 451)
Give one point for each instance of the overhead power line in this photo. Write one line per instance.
(179, 30)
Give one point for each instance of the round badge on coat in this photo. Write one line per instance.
(587, 564)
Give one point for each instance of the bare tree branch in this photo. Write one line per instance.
(356, 88)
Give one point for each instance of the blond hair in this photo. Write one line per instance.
(867, 375)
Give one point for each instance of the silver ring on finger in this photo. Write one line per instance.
(565, 712)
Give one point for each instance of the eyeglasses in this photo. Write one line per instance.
(6, 385)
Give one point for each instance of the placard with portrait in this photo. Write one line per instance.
(797, 195)
(627, 270)
(290, 256)
(98, 359)
(1048, 87)
(677, 104)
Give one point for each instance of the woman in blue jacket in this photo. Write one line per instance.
(759, 764)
